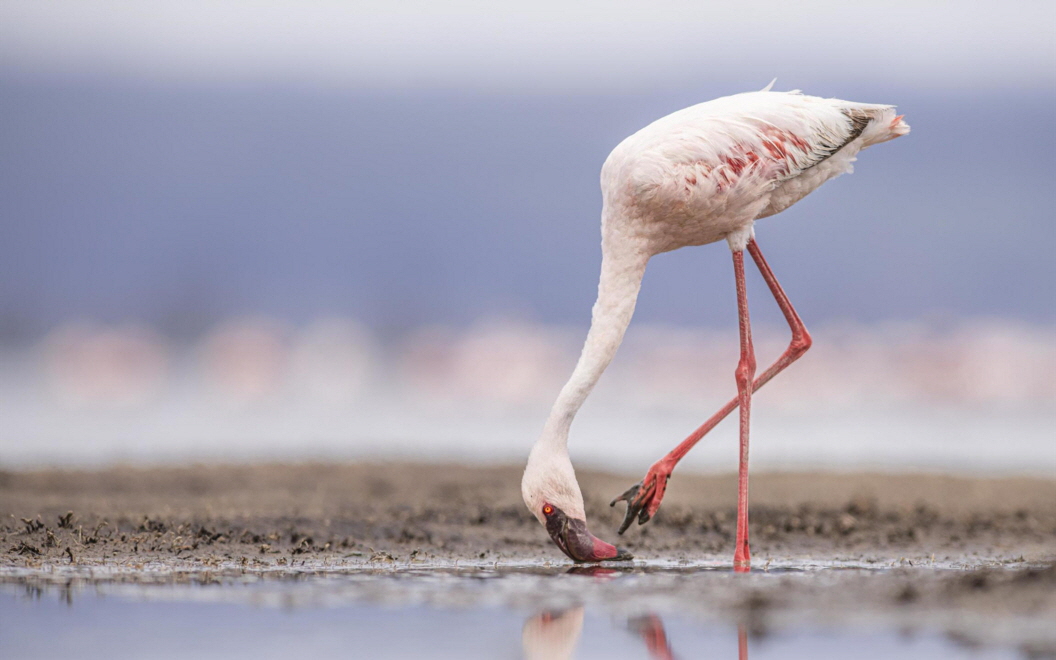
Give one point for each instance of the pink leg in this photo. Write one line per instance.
(644, 498)
(742, 557)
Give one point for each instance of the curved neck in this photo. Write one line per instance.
(621, 279)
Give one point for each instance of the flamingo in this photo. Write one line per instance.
(551, 635)
(697, 176)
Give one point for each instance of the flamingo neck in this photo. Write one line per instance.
(618, 286)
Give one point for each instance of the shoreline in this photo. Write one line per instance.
(973, 557)
(446, 512)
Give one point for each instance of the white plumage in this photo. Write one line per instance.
(699, 174)
(696, 176)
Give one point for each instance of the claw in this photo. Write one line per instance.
(643, 498)
(632, 511)
(628, 494)
(634, 497)
(643, 516)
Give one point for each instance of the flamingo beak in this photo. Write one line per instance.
(571, 535)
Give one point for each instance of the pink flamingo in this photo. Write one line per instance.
(697, 176)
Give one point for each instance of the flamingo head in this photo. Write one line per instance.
(552, 494)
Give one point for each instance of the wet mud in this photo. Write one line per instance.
(978, 553)
(449, 512)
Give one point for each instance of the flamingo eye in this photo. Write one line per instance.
(547, 510)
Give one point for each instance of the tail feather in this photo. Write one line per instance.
(884, 124)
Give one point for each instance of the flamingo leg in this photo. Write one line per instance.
(745, 374)
(651, 629)
(644, 498)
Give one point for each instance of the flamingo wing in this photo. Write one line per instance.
(751, 142)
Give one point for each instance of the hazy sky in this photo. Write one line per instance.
(406, 163)
(544, 45)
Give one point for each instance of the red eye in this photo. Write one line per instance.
(547, 510)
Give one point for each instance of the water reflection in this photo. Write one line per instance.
(651, 629)
(593, 571)
(554, 635)
(324, 617)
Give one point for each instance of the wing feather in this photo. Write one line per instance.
(752, 142)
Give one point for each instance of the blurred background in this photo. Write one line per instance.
(339, 230)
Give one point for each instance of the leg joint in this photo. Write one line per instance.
(801, 342)
(745, 372)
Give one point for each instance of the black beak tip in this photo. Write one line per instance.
(622, 555)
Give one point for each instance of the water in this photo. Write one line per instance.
(112, 627)
(529, 612)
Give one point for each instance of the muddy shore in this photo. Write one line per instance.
(450, 512)
(965, 550)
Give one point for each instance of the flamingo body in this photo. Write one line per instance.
(707, 172)
(696, 176)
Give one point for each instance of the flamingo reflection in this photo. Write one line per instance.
(553, 635)
(651, 629)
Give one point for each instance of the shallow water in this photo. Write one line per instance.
(529, 612)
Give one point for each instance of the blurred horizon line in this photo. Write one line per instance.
(972, 396)
(516, 362)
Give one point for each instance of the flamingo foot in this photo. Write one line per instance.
(742, 563)
(643, 498)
